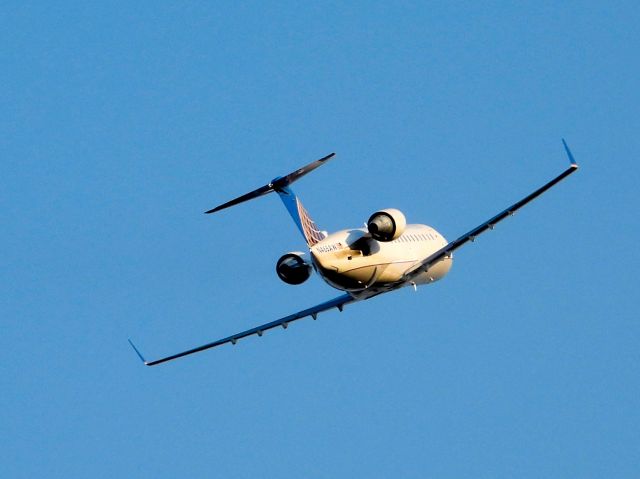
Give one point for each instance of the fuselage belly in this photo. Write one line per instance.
(351, 260)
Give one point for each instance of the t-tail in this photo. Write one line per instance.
(280, 185)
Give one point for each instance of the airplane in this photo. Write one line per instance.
(386, 255)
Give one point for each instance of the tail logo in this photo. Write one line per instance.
(310, 230)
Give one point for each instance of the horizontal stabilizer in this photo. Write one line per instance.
(275, 185)
(263, 190)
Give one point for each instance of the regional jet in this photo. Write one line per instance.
(386, 255)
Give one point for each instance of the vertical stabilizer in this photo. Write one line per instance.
(303, 221)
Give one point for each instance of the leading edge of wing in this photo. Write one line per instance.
(489, 224)
(338, 302)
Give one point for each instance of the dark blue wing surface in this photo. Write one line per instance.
(338, 302)
(489, 224)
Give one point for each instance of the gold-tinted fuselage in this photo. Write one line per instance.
(352, 261)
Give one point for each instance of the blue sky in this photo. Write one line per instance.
(121, 123)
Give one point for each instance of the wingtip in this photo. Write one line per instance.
(574, 164)
(137, 352)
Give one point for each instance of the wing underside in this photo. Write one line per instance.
(338, 303)
(447, 250)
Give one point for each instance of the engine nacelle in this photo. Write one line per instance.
(387, 224)
(293, 268)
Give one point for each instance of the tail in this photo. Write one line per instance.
(301, 218)
(280, 185)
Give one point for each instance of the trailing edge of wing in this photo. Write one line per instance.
(338, 302)
(275, 184)
(489, 224)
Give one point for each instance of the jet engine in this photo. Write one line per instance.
(387, 224)
(293, 268)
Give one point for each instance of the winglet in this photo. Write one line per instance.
(569, 154)
(137, 352)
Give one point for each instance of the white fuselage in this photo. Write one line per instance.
(351, 260)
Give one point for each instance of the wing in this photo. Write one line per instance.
(338, 302)
(446, 251)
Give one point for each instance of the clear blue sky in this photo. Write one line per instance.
(121, 123)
